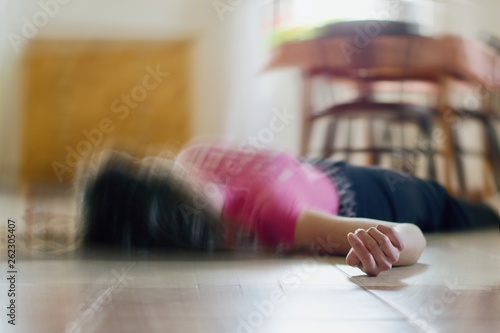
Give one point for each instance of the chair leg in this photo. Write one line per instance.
(387, 141)
(348, 143)
(458, 163)
(370, 143)
(428, 149)
(306, 135)
(377, 155)
(406, 165)
(329, 144)
(493, 151)
(307, 122)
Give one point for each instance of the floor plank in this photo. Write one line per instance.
(455, 287)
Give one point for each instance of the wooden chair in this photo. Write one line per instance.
(366, 76)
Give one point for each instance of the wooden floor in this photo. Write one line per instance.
(454, 288)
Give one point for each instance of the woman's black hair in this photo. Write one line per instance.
(129, 208)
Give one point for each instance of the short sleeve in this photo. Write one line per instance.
(278, 218)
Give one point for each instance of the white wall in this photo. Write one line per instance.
(255, 95)
(466, 17)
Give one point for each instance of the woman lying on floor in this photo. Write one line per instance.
(214, 197)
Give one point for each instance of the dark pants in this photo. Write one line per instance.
(377, 193)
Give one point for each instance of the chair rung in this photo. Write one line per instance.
(470, 152)
(404, 111)
(380, 150)
(402, 150)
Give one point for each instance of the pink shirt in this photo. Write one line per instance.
(263, 190)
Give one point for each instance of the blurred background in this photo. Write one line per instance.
(76, 75)
(408, 85)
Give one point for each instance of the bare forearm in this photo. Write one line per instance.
(329, 232)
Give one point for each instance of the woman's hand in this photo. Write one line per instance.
(374, 250)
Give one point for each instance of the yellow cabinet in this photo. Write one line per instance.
(77, 95)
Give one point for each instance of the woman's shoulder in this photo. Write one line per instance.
(192, 152)
(197, 148)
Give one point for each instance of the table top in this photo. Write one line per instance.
(459, 57)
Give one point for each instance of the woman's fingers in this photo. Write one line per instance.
(352, 258)
(368, 264)
(375, 250)
(393, 235)
(371, 244)
(385, 244)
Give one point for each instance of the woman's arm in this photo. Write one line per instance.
(332, 234)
